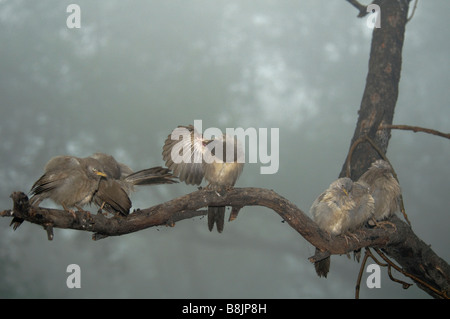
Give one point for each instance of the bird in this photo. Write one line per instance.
(75, 182)
(113, 192)
(220, 161)
(69, 181)
(384, 189)
(340, 210)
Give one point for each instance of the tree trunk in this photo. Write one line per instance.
(377, 108)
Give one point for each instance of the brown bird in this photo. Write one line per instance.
(220, 161)
(384, 188)
(385, 191)
(340, 210)
(69, 181)
(113, 192)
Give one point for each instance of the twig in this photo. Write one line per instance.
(415, 129)
(361, 139)
(368, 254)
(362, 8)
(413, 11)
(443, 294)
(361, 270)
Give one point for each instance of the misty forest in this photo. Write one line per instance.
(336, 85)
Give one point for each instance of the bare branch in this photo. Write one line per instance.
(187, 206)
(415, 129)
(362, 8)
(413, 11)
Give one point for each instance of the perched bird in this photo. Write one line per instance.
(74, 182)
(220, 161)
(69, 181)
(340, 210)
(384, 189)
(113, 192)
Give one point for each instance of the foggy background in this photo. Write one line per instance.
(137, 69)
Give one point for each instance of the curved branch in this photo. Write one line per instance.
(433, 270)
(188, 206)
(413, 11)
(415, 129)
(361, 8)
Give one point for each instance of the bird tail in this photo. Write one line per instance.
(322, 266)
(154, 175)
(216, 215)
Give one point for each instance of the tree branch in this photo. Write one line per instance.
(415, 129)
(362, 8)
(413, 11)
(188, 206)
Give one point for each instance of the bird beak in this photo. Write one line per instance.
(206, 142)
(101, 174)
(345, 191)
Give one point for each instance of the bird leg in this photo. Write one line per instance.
(382, 224)
(100, 210)
(348, 234)
(84, 211)
(71, 211)
(218, 189)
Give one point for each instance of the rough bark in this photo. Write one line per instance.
(185, 207)
(376, 110)
(381, 91)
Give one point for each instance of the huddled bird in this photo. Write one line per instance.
(69, 181)
(376, 196)
(340, 210)
(219, 161)
(74, 182)
(384, 189)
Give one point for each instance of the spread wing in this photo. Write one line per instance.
(183, 154)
